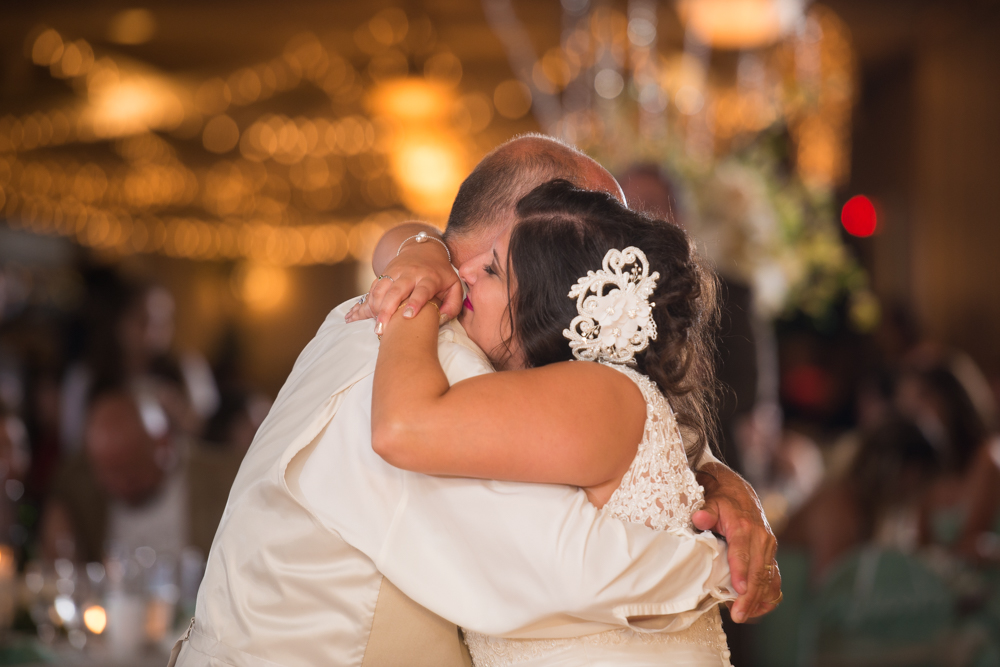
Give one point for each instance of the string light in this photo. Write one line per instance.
(406, 139)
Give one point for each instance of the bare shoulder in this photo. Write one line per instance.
(590, 382)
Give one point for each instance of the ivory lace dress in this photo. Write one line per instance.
(658, 490)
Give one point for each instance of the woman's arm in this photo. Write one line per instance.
(416, 272)
(567, 423)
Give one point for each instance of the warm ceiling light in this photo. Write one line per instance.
(132, 26)
(429, 170)
(411, 100)
(262, 287)
(739, 24)
(134, 104)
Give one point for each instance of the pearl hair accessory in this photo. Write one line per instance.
(614, 325)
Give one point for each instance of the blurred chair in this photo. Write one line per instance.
(882, 607)
(779, 639)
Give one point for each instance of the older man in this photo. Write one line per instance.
(328, 555)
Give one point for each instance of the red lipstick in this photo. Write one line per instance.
(468, 304)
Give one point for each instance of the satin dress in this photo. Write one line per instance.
(660, 491)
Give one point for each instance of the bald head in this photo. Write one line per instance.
(569, 164)
(121, 452)
(488, 197)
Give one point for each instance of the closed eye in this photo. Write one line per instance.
(494, 268)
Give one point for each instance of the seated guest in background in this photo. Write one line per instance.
(940, 402)
(877, 502)
(129, 337)
(136, 483)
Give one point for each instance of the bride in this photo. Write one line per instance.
(578, 278)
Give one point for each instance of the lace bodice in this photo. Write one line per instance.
(659, 490)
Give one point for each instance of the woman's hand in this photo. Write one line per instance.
(420, 271)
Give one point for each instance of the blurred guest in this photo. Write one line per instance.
(797, 470)
(878, 502)
(115, 322)
(15, 458)
(42, 420)
(136, 483)
(872, 407)
(979, 539)
(130, 328)
(190, 366)
(938, 402)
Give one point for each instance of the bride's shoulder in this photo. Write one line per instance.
(591, 380)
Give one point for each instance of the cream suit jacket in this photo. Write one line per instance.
(315, 520)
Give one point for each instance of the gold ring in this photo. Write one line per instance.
(777, 600)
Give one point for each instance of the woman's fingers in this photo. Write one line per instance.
(393, 297)
(451, 301)
(359, 311)
(417, 300)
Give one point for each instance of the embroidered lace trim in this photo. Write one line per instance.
(658, 490)
(490, 651)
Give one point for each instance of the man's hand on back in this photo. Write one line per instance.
(733, 510)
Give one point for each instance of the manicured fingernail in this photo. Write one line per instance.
(408, 312)
(442, 318)
(379, 327)
(739, 616)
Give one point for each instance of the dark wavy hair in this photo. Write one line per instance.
(562, 233)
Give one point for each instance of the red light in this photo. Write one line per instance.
(858, 216)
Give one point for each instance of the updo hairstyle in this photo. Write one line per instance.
(562, 233)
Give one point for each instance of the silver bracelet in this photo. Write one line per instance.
(424, 237)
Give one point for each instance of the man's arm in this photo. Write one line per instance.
(499, 557)
(733, 510)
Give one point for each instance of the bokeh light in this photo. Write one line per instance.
(410, 99)
(512, 99)
(859, 216)
(221, 134)
(739, 24)
(95, 618)
(260, 286)
(132, 26)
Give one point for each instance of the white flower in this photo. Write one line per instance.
(620, 314)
